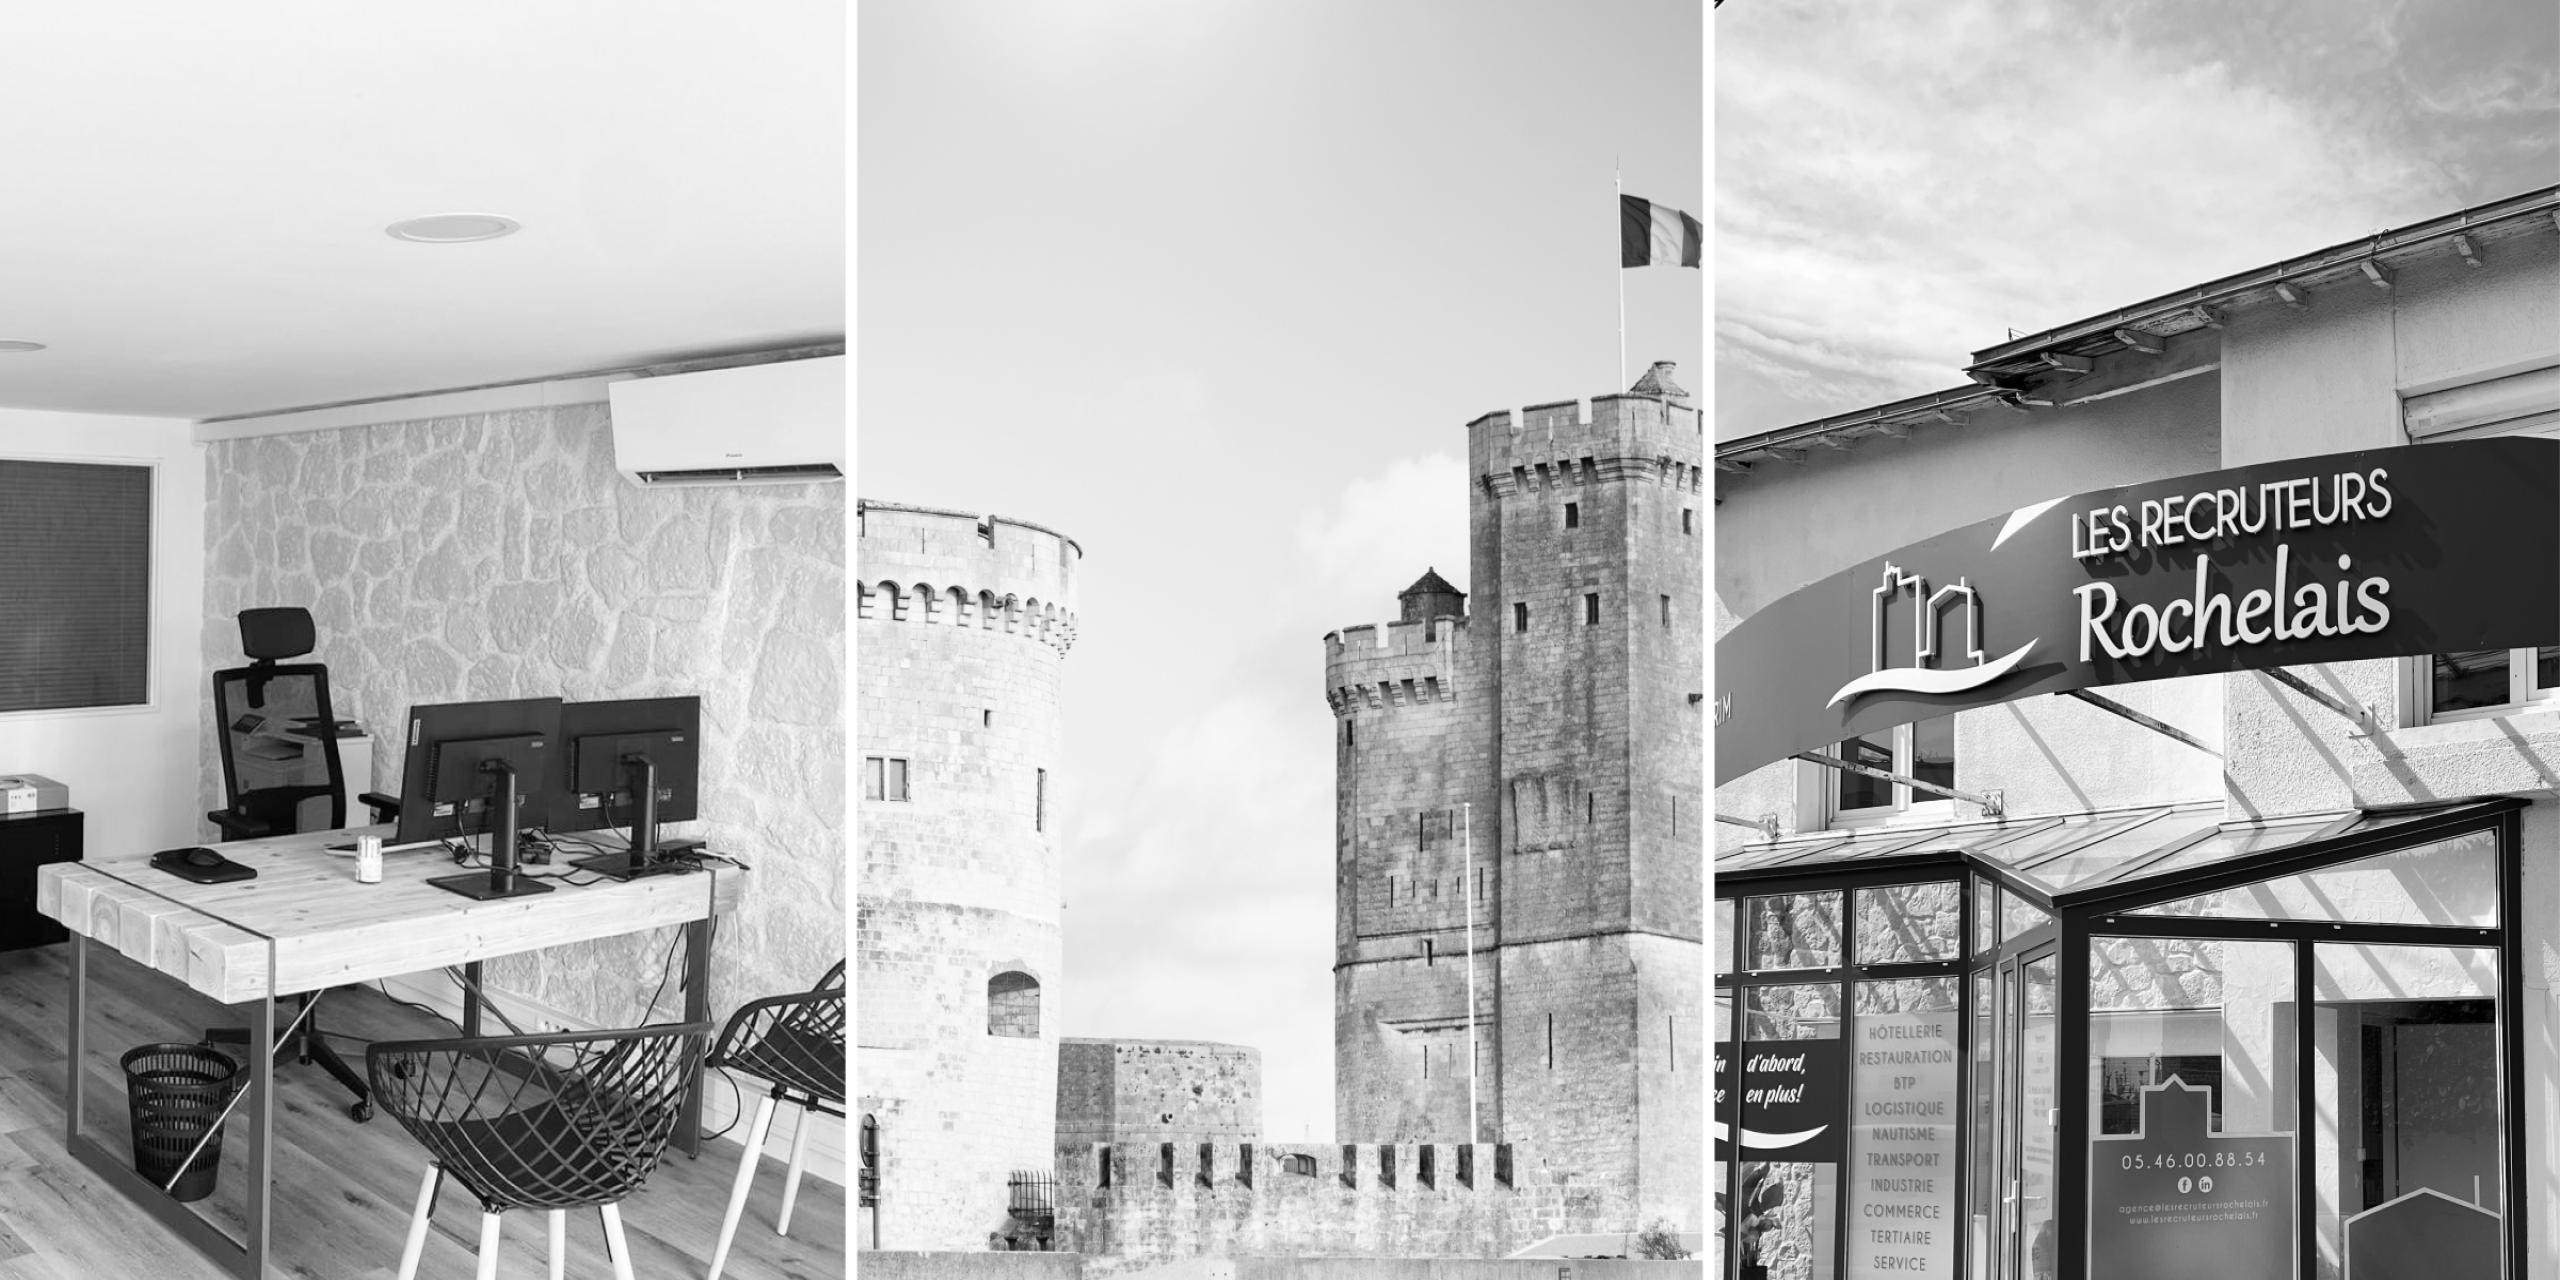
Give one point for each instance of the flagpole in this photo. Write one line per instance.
(1619, 180)
(1467, 824)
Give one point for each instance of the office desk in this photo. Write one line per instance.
(305, 925)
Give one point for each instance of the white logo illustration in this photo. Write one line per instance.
(1924, 679)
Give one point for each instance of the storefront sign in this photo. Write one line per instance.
(2376, 554)
(1794, 1101)
(2174, 1201)
(1904, 1108)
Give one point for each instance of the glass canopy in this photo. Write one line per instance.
(2050, 859)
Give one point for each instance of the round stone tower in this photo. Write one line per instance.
(960, 647)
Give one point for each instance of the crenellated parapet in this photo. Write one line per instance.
(1632, 437)
(1400, 664)
(1187, 1197)
(935, 567)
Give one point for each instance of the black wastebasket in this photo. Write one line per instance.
(177, 1092)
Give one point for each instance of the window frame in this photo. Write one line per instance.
(2417, 676)
(877, 775)
(155, 528)
(1907, 805)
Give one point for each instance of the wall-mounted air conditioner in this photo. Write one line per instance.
(779, 423)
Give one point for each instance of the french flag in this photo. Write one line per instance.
(1655, 235)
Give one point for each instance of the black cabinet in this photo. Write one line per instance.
(28, 841)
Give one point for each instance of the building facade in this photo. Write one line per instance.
(2225, 963)
(962, 631)
(1518, 812)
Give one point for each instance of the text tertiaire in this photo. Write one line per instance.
(2287, 611)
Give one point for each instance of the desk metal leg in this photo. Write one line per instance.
(471, 998)
(75, 1084)
(697, 1008)
(262, 1134)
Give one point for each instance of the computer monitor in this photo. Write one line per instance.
(630, 764)
(470, 767)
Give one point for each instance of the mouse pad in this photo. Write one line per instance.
(174, 861)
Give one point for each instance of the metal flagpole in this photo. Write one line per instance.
(1619, 180)
(1467, 820)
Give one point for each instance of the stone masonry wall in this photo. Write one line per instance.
(961, 635)
(1413, 761)
(1355, 1200)
(502, 556)
(1158, 1090)
(1577, 740)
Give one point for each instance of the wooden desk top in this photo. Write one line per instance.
(327, 930)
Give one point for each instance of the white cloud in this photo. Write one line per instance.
(1897, 186)
(1385, 527)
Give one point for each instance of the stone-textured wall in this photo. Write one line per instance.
(502, 556)
(1572, 750)
(1359, 1200)
(1158, 1090)
(961, 635)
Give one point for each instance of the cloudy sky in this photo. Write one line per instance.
(1900, 184)
(1214, 289)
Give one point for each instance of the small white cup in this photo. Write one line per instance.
(368, 859)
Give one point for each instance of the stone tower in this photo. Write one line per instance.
(1533, 754)
(961, 640)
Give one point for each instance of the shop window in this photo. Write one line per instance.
(2191, 1075)
(1925, 751)
(884, 778)
(2409, 1141)
(1898, 924)
(1720, 935)
(1792, 931)
(1903, 1092)
(1013, 1005)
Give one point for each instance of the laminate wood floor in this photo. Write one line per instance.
(343, 1190)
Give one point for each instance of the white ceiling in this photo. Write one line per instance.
(193, 196)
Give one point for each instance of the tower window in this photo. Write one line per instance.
(987, 718)
(1666, 611)
(1040, 800)
(1591, 609)
(884, 778)
(1429, 953)
(1688, 519)
(1573, 515)
(1519, 616)
(1551, 1042)
(1013, 1005)
(1348, 737)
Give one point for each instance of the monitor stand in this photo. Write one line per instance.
(644, 858)
(501, 880)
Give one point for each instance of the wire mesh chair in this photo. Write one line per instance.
(550, 1122)
(797, 1042)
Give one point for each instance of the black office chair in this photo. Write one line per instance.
(278, 736)
(573, 1120)
(281, 775)
(797, 1042)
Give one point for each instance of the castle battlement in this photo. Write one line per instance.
(934, 567)
(1397, 664)
(1398, 1200)
(1210, 1163)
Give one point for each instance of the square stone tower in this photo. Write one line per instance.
(1535, 761)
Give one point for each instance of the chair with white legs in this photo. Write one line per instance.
(797, 1043)
(549, 1122)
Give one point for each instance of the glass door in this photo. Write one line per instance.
(2023, 1247)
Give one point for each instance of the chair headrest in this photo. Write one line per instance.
(269, 634)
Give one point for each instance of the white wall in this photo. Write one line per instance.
(133, 771)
